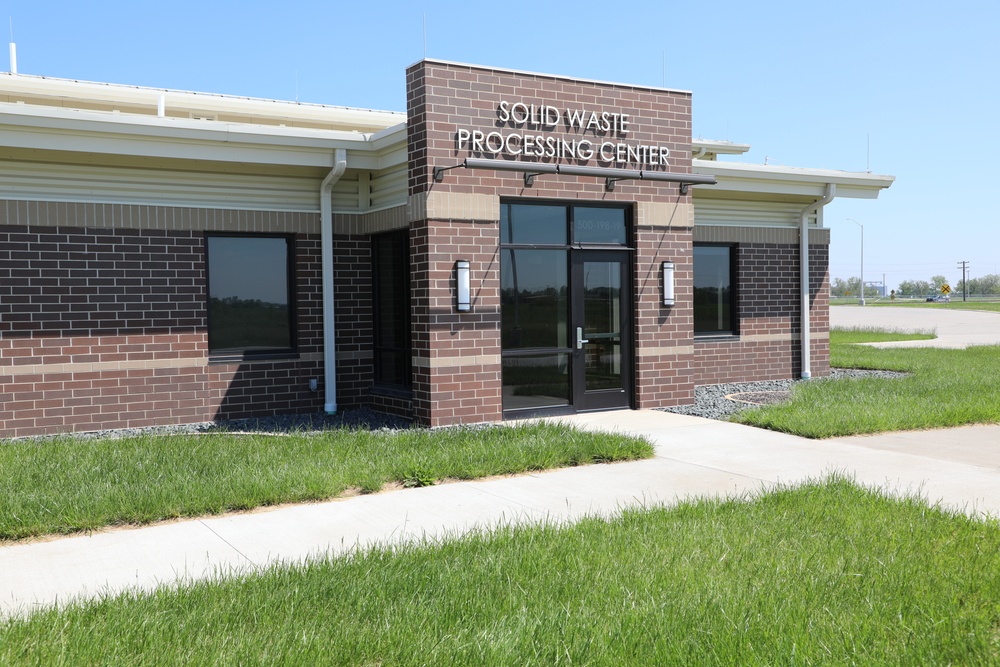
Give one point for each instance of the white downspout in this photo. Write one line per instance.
(326, 248)
(831, 190)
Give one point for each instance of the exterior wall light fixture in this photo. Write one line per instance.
(668, 283)
(463, 292)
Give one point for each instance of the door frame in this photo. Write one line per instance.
(579, 250)
(581, 399)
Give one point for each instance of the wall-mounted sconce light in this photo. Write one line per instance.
(463, 301)
(668, 283)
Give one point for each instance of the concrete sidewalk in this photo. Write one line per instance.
(694, 457)
(954, 328)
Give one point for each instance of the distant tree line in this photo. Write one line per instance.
(988, 284)
(851, 287)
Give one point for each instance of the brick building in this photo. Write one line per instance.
(514, 244)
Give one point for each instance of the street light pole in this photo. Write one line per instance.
(861, 301)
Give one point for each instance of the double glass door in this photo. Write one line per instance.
(565, 311)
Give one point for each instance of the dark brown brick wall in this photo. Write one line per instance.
(456, 365)
(663, 333)
(353, 314)
(769, 306)
(99, 282)
(444, 98)
(105, 328)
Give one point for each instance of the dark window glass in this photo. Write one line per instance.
(599, 225)
(602, 292)
(714, 291)
(536, 381)
(534, 305)
(249, 294)
(527, 224)
(391, 271)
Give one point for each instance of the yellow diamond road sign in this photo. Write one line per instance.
(945, 289)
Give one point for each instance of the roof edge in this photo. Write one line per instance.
(560, 77)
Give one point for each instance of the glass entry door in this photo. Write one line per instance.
(565, 308)
(602, 346)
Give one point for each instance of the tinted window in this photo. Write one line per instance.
(534, 305)
(714, 311)
(599, 225)
(527, 224)
(249, 294)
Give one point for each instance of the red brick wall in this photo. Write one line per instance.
(105, 328)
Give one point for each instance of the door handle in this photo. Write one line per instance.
(580, 340)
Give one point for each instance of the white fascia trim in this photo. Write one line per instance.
(21, 126)
(734, 176)
(174, 128)
(69, 90)
(378, 162)
(389, 136)
(719, 147)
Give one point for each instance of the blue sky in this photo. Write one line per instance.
(806, 84)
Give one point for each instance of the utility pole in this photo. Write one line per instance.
(964, 266)
(861, 301)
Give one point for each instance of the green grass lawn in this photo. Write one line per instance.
(67, 484)
(955, 304)
(822, 574)
(852, 335)
(944, 388)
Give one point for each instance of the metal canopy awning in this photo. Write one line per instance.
(610, 176)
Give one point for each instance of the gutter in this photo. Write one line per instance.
(326, 246)
(831, 190)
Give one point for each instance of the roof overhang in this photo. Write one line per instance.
(143, 101)
(108, 133)
(786, 182)
(715, 147)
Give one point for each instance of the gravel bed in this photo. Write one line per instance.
(357, 419)
(711, 400)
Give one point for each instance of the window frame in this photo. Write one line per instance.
(237, 354)
(734, 330)
(570, 226)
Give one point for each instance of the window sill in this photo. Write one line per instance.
(242, 358)
(716, 338)
(391, 391)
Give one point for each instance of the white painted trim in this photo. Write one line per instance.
(44, 128)
(769, 179)
(65, 91)
(719, 147)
